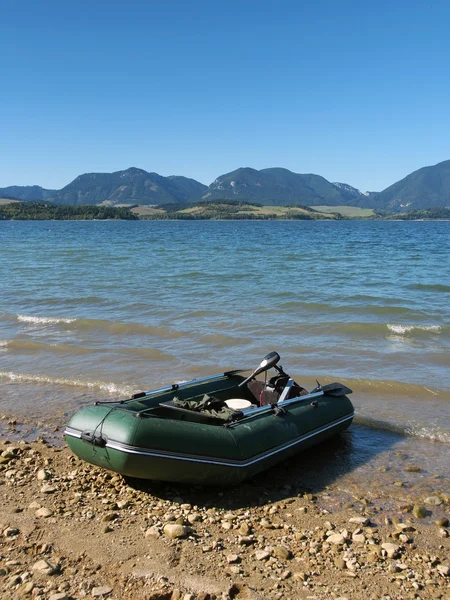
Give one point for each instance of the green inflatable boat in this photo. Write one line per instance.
(218, 430)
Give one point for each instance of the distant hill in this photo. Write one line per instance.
(277, 186)
(132, 186)
(426, 188)
(26, 192)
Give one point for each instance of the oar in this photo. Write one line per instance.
(333, 389)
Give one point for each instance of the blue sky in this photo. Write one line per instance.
(354, 91)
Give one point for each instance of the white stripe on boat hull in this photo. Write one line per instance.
(208, 460)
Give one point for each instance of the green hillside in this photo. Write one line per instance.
(231, 209)
(277, 186)
(426, 188)
(347, 211)
(132, 186)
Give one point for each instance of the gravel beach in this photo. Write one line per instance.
(69, 530)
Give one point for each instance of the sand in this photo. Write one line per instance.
(70, 530)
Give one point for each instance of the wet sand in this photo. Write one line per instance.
(307, 529)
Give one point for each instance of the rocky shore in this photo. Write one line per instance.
(69, 530)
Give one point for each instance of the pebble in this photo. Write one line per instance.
(363, 521)
(43, 475)
(444, 570)
(336, 539)
(233, 558)
(420, 512)
(391, 549)
(281, 552)
(246, 540)
(59, 596)
(359, 538)
(28, 588)
(110, 517)
(266, 524)
(262, 555)
(99, 591)
(42, 566)
(194, 517)
(433, 501)
(153, 532)
(123, 504)
(244, 529)
(8, 454)
(175, 530)
(48, 489)
(44, 512)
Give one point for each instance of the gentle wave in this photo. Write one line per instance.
(405, 329)
(112, 388)
(115, 327)
(24, 346)
(338, 327)
(367, 309)
(70, 301)
(421, 431)
(128, 328)
(379, 329)
(436, 287)
(28, 346)
(152, 354)
(224, 341)
(392, 388)
(43, 320)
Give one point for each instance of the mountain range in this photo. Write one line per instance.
(425, 188)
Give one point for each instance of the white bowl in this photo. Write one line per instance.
(238, 403)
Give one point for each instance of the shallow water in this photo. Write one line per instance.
(102, 309)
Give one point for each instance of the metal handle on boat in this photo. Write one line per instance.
(91, 438)
(286, 390)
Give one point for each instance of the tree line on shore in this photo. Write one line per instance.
(213, 210)
(44, 211)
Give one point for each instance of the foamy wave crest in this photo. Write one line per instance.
(423, 431)
(28, 346)
(112, 388)
(43, 320)
(114, 327)
(428, 433)
(405, 329)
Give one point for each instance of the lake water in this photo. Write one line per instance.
(97, 309)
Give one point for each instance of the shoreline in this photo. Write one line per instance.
(324, 220)
(70, 530)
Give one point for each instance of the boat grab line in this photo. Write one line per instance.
(216, 461)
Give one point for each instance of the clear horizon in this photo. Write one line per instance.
(355, 94)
